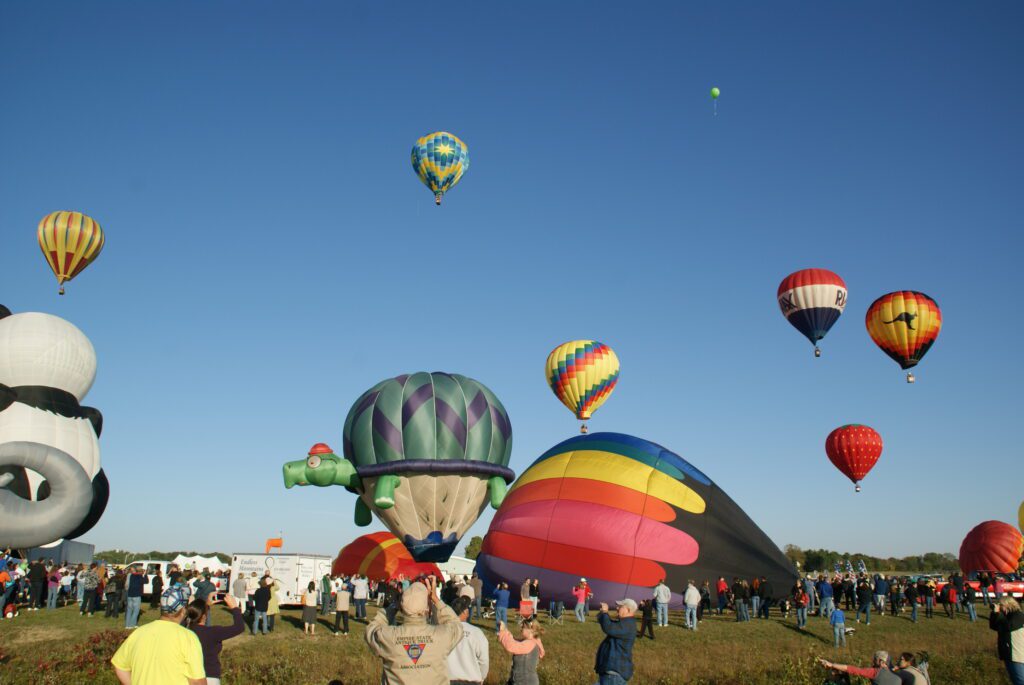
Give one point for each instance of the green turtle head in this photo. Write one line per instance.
(321, 468)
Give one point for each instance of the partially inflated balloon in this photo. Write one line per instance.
(854, 449)
(812, 301)
(440, 159)
(380, 556)
(625, 514)
(991, 546)
(70, 241)
(904, 324)
(582, 374)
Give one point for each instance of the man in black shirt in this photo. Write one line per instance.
(36, 581)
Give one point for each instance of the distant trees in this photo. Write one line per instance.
(826, 559)
(473, 548)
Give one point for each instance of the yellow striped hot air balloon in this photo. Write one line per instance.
(582, 374)
(70, 241)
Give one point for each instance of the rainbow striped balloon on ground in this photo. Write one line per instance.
(624, 513)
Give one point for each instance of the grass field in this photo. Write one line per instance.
(61, 647)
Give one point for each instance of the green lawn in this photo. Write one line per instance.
(62, 647)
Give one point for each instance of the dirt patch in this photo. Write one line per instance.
(26, 636)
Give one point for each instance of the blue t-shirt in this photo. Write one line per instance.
(825, 588)
(837, 617)
(501, 599)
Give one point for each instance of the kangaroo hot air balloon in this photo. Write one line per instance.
(854, 449)
(991, 546)
(70, 241)
(905, 325)
(582, 374)
(812, 301)
(425, 452)
(440, 159)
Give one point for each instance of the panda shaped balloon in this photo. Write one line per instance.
(51, 483)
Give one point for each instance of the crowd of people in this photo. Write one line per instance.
(423, 633)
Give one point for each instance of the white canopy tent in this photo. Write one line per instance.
(199, 563)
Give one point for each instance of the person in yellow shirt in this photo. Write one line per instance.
(162, 652)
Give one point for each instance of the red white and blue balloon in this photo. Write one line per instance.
(812, 301)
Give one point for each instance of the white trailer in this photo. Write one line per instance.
(292, 571)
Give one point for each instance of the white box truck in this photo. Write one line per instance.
(292, 571)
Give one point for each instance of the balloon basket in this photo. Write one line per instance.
(856, 487)
(583, 428)
(437, 199)
(61, 291)
(910, 377)
(817, 352)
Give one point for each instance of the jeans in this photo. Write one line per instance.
(341, 616)
(801, 617)
(971, 613)
(880, 603)
(661, 608)
(984, 594)
(866, 610)
(691, 617)
(256, 622)
(766, 605)
(581, 614)
(722, 601)
(742, 611)
(131, 612)
(360, 608)
(839, 634)
(827, 607)
(113, 609)
(500, 616)
(812, 600)
(1015, 669)
(81, 592)
(88, 599)
(755, 602)
(36, 594)
(613, 678)
(929, 606)
(478, 608)
(51, 597)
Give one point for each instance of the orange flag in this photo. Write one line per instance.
(272, 543)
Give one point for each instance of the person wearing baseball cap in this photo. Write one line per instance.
(614, 664)
(162, 652)
(415, 652)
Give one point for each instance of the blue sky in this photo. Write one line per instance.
(270, 253)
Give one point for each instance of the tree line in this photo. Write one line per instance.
(826, 559)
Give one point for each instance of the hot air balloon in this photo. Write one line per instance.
(854, 449)
(440, 159)
(991, 546)
(812, 301)
(625, 514)
(70, 241)
(424, 452)
(904, 324)
(380, 556)
(582, 374)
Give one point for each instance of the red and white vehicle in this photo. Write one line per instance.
(1013, 586)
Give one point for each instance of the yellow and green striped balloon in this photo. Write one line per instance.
(70, 241)
(440, 159)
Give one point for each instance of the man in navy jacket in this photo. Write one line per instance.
(614, 663)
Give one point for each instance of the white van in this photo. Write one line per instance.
(292, 571)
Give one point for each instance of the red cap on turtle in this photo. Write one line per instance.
(320, 448)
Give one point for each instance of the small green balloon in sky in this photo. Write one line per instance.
(715, 93)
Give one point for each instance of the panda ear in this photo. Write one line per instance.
(7, 397)
(95, 417)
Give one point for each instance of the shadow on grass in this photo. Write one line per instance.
(801, 631)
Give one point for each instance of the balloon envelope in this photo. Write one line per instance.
(582, 374)
(379, 556)
(443, 436)
(624, 513)
(715, 92)
(854, 449)
(70, 241)
(440, 159)
(904, 324)
(812, 301)
(991, 546)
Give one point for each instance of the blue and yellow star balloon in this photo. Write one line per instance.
(440, 159)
